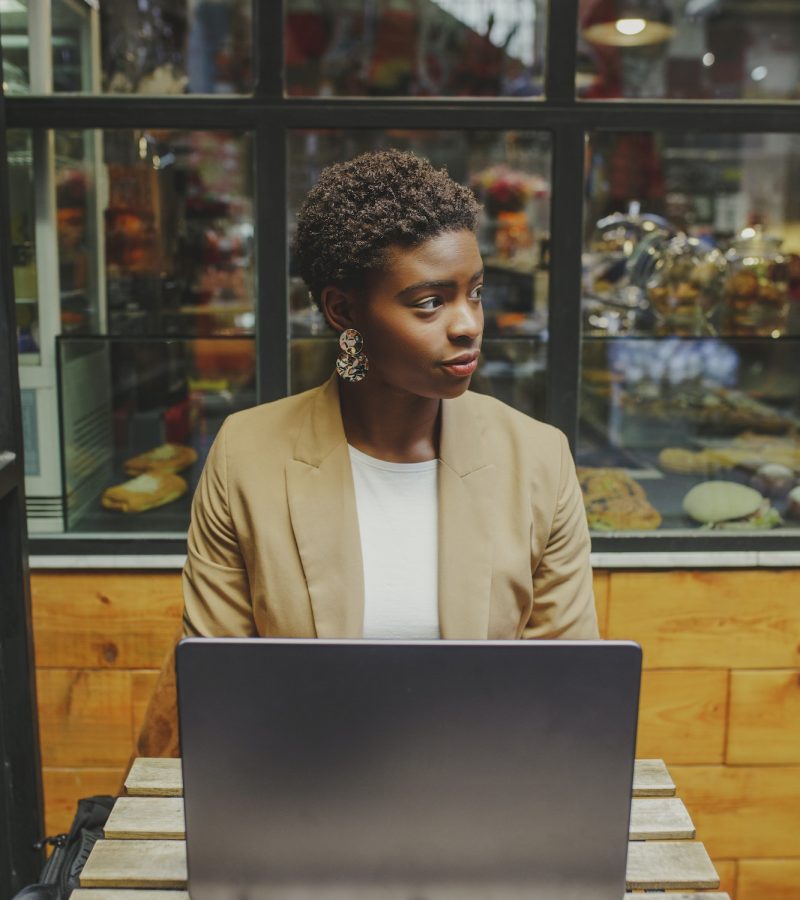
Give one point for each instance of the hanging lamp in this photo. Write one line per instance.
(629, 23)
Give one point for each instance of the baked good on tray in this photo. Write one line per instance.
(166, 458)
(748, 451)
(616, 502)
(730, 505)
(712, 409)
(144, 492)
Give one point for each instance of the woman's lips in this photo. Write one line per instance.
(462, 366)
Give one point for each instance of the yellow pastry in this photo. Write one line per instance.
(166, 458)
(144, 492)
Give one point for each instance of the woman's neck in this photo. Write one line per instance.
(390, 425)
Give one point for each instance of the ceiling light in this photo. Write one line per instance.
(759, 73)
(630, 26)
(628, 23)
(709, 59)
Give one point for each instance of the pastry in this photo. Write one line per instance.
(773, 480)
(615, 502)
(691, 462)
(728, 504)
(166, 458)
(144, 492)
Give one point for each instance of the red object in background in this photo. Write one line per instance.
(177, 423)
(306, 38)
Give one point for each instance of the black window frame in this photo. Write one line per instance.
(269, 115)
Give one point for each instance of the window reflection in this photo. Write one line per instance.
(688, 49)
(433, 48)
(131, 47)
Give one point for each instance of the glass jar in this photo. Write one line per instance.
(757, 290)
(685, 285)
(612, 298)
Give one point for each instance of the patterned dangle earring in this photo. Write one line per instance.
(352, 364)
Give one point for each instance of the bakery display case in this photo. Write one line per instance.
(642, 260)
(689, 420)
(672, 431)
(138, 417)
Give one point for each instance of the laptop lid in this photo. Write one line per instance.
(407, 770)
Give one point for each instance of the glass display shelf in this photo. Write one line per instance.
(690, 437)
(138, 416)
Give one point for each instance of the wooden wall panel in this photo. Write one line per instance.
(765, 718)
(717, 620)
(64, 787)
(99, 620)
(142, 684)
(727, 870)
(743, 811)
(768, 879)
(101, 637)
(682, 715)
(601, 586)
(84, 717)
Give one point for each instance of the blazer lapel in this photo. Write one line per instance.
(322, 507)
(466, 481)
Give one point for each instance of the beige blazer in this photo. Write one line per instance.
(274, 547)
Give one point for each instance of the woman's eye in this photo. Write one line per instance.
(429, 303)
(477, 293)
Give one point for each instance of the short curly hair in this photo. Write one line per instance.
(363, 206)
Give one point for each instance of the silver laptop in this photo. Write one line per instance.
(354, 770)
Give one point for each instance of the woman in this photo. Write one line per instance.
(389, 502)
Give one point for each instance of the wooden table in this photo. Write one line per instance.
(143, 856)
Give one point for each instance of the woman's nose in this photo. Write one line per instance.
(467, 320)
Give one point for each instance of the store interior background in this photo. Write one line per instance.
(148, 308)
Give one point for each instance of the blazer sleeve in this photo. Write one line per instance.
(216, 590)
(563, 598)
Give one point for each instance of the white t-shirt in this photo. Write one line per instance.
(397, 520)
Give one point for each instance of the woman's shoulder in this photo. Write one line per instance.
(504, 421)
(268, 429)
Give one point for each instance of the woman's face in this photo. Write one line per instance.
(421, 317)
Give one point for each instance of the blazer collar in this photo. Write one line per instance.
(325, 521)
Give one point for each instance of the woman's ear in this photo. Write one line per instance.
(337, 307)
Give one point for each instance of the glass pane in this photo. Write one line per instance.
(688, 49)
(510, 173)
(179, 233)
(14, 37)
(131, 46)
(691, 349)
(139, 416)
(144, 234)
(441, 48)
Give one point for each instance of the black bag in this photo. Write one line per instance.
(59, 875)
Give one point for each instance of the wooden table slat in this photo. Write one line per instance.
(651, 779)
(667, 865)
(679, 865)
(136, 864)
(660, 819)
(161, 818)
(706, 895)
(156, 818)
(125, 894)
(151, 777)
